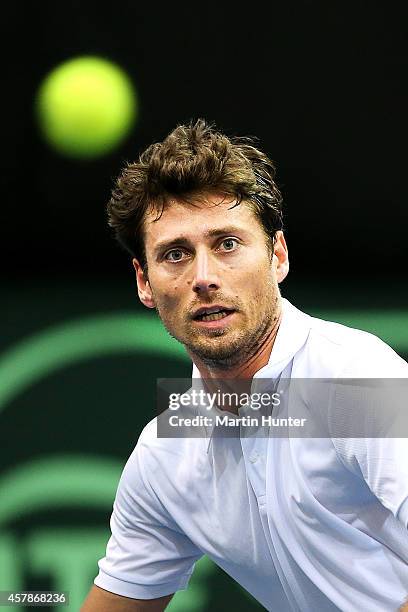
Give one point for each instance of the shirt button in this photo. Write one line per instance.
(254, 457)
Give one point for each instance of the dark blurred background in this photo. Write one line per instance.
(322, 85)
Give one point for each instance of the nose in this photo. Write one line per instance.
(205, 276)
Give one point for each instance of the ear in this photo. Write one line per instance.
(280, 257)
(143, 285)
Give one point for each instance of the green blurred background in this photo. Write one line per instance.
(77, 385)
(323, 88)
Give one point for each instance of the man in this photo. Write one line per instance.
(303, 523)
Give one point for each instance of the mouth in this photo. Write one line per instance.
(211, 316)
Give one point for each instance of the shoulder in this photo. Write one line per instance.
(142, 478)
(134, 474)
(147, 448)
(157, 459)
(347, 351)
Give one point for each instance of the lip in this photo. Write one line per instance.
(218, 324)
(210, 309)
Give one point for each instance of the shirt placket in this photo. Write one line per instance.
(255, 450)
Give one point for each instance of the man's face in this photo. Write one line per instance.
(213, 256)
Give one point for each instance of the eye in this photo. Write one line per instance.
(174, 255)
(229, 244)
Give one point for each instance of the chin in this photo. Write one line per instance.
(220, 349)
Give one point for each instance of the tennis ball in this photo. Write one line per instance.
(86, 106)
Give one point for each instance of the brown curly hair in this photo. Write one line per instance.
(193, 159)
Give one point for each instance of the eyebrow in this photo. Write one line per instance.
(211, 233)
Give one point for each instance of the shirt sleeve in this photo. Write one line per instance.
(376, 408)
(383, 464)
(147, 555)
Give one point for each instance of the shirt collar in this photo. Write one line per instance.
(292, 334)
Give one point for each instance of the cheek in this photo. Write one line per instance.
(262, 287)
(165, 289)
(168, 298)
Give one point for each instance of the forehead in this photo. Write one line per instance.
(199, 216)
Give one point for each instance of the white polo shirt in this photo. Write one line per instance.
(304, 524)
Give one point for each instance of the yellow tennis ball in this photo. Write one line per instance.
(86, 106)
